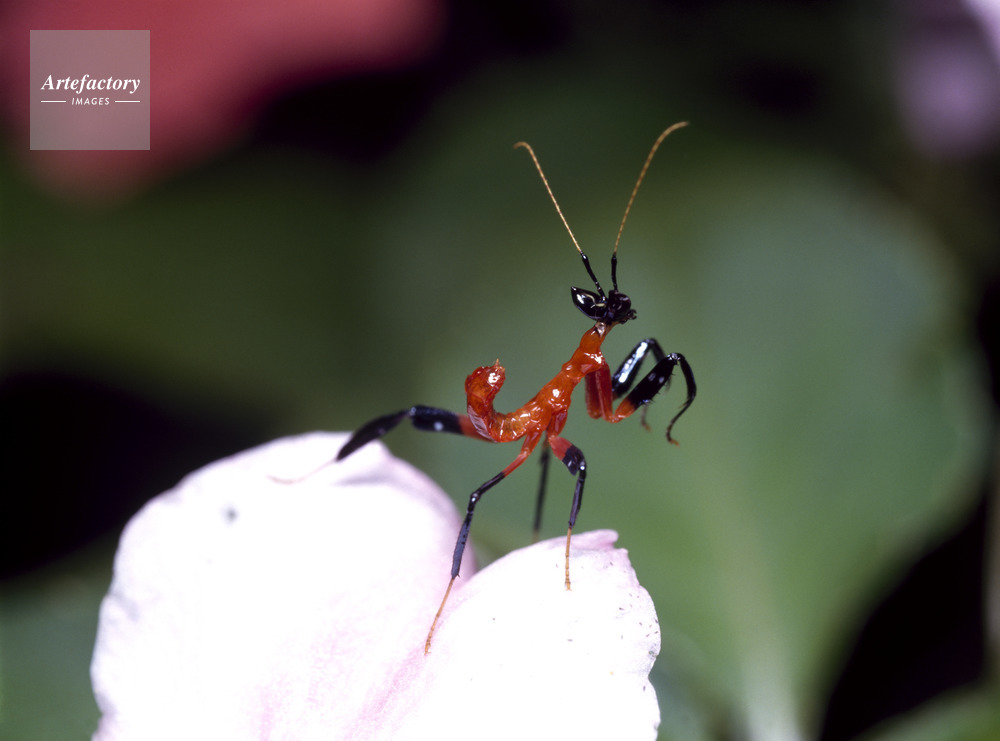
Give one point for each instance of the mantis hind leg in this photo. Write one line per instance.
(571, 457)
(540, 500)
(463, 533)
(423, 418)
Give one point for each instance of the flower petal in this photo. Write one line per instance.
(243, 607)
(519, 656)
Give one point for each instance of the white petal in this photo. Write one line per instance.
(518, 656)
(246, 608)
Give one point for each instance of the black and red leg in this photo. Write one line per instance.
(628, 371)
(424, 418)
(463, 533)
(655, 381)
(571, 457)
(540, 500)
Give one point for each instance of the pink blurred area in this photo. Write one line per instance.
(947, 69)
(214, 64)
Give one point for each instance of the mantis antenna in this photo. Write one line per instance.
(642, 174)
(545, 182)
(628, 207)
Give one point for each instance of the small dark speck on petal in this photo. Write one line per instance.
(230, 514)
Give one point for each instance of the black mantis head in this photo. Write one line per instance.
(613, 307)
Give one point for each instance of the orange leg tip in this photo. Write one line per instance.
(430, 633)
(569, 534)
(430, 637)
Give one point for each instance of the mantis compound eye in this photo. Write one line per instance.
(619, 308)
(591, 304)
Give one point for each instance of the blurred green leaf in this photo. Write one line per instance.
(968, 715)
(47, 626)
(834, 431)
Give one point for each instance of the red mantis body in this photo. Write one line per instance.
(544, 416)
(546, 413)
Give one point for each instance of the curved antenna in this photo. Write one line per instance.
(642, 174)
(545, 182)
